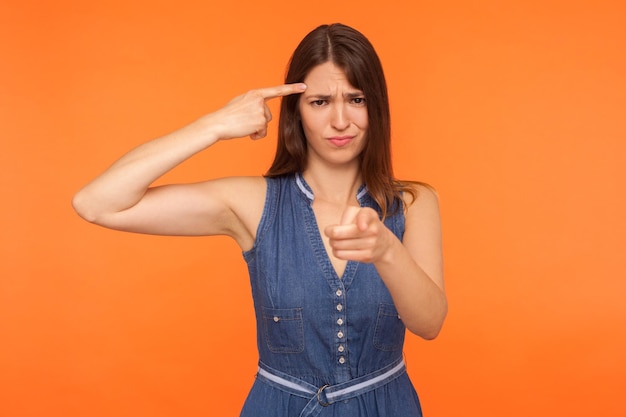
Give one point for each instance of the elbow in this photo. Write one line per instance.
(430, 329)
(430, 334)
(82, 207)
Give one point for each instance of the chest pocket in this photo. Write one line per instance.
(389, 331)
(284, 329)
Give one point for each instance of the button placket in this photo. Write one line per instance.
(340, 348)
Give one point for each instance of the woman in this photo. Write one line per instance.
(342, 257)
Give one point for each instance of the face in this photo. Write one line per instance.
(334, 116)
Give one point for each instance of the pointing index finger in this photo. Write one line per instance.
(282, 90)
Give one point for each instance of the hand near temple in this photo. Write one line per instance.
(248, 113)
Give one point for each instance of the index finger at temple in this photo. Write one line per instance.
(282, 90)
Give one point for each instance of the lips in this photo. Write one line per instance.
(340, 141)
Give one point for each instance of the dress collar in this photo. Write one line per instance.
(306, 190)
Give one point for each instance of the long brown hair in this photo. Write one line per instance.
(354, 54)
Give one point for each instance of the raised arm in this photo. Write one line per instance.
(121, 198)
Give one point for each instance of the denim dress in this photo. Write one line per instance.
(314, 326)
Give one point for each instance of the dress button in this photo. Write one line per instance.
(339, 307)
(340, 348)
(276, 319)
(340, 335)
(338, 293)
(342, 360)
(339, 322)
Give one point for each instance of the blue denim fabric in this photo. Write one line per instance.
(314, 325)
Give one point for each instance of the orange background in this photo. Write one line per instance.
(513, 110)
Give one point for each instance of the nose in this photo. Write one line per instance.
(339, 118)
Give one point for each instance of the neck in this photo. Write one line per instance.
(334, 185)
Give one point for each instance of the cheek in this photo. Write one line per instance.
(309, 131)
(359, 118)
(304, 121)
(311, 122)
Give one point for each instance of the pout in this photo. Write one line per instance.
(340, 141)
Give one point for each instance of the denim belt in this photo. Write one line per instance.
(329, 394)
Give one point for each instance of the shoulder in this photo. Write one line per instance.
(244, 198)
(419, 193)
(243, 193)
(235, 192)
(421, 202)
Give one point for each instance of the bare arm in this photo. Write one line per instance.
(121, 198)
(412, 269)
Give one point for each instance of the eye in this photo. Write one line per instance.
(318, 103)
(358, 100)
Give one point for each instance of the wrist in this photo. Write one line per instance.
(207, 129)
(388, 256)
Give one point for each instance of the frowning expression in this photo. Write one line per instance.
(334, 116)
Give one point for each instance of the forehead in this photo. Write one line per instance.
(327, 76)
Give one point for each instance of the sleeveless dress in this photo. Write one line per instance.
(314, 326)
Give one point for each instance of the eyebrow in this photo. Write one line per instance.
(350, 95)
